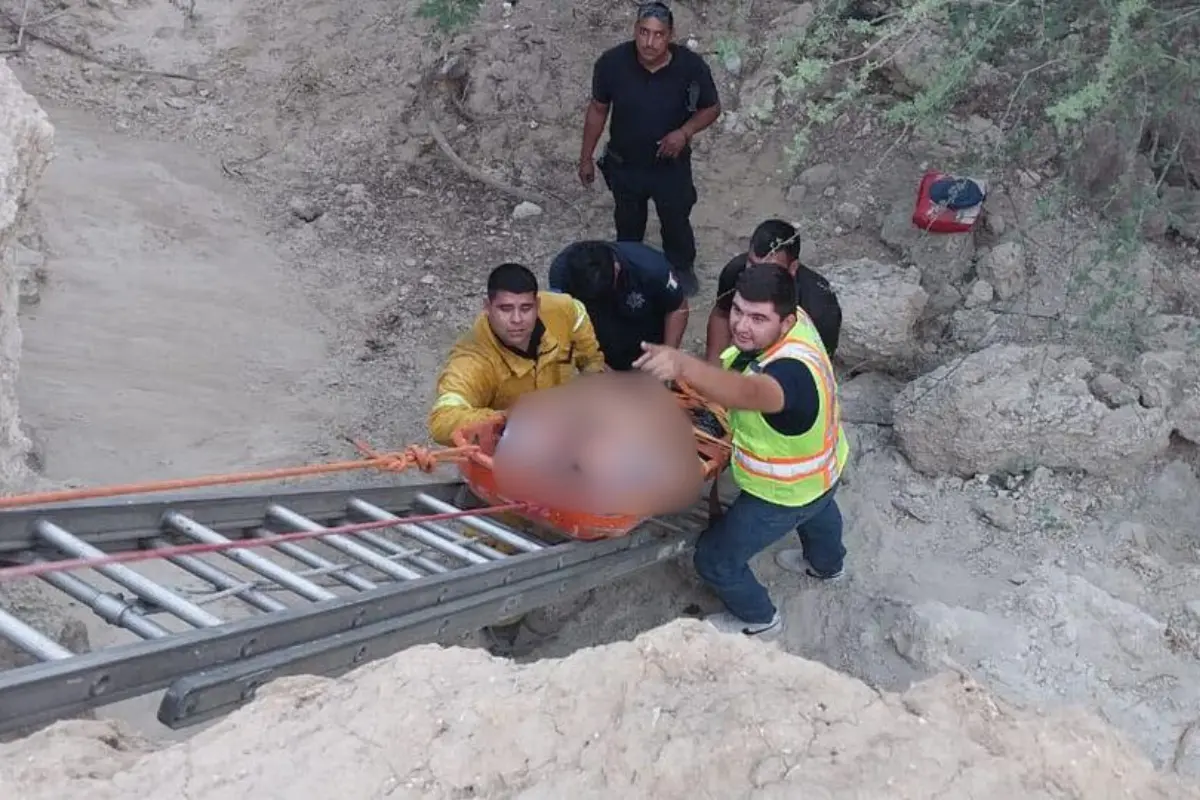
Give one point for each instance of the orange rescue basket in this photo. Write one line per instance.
(476, 471)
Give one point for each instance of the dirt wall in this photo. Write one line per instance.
(26, 140)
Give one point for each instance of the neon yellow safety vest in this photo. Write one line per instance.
(790, 470)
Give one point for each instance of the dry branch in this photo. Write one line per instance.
(476, 174)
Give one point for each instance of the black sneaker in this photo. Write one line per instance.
(824, 576)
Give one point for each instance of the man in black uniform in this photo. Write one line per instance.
(775, 242)
(661, 96)
(630, 293)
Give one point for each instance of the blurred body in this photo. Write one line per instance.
(613, 443)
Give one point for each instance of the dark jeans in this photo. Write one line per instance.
(724, 550)
(669, 184)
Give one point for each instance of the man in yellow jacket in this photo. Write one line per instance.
(789, 448)
(524, 340)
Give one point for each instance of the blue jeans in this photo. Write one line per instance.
(724, 550)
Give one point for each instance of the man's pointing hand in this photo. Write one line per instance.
(664, 363)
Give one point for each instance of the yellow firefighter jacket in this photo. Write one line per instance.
(482, 376)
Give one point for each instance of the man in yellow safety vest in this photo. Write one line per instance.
(789, 448)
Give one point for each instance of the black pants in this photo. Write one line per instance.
(669, 184)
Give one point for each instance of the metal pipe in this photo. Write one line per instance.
(252, 561)
(108, 607)
(482, 525)
(423, 536)
(345, 544)
(140, 585)
(339, 572)
(377, 541)
(222, 580)
(446, 532)
(32, 641)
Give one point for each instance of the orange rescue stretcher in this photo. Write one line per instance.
(712, 451)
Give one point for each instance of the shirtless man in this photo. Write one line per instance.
(612, 443)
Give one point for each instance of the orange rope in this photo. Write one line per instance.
(693, 399)
(423, 458)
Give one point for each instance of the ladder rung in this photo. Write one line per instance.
(31, 640)
(249, 560)
(485, 526)
(140, 585)
(108, 607)
(221, 579)
(422, 535)
(344, 544)
(339, 572)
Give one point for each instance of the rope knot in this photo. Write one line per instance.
(420, 457)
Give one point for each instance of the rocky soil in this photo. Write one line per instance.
(1024, 401)
(679, 712)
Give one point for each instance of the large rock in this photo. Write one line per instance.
(633, 719)
(1170, 380)
(1004, 268)
(1009, 409)
(867, 398)
(944, 259)
(881, 304)
(26, 139)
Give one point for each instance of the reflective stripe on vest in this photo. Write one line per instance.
(791, 480)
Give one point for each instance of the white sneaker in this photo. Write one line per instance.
(793, 561)
(728, 623)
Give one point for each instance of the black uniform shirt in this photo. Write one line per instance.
(645, 105)
(646, 292)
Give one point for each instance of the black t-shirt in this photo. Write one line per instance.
(801, 401)
(645, 105)
(816, 297)
(646, 292)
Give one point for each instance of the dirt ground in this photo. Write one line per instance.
(681, 711)
(283, 253)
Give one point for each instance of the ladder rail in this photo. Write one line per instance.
(60, 688)
(215, 692)
(120, 524)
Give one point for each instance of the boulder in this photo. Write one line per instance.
(867, 398)
(1004, 268)
(944, 259)
(1009, 409)
(881, 304)
(1170, 380)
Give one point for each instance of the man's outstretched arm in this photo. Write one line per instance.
(754, 392)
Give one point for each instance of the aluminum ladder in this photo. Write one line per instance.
(343, 601)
